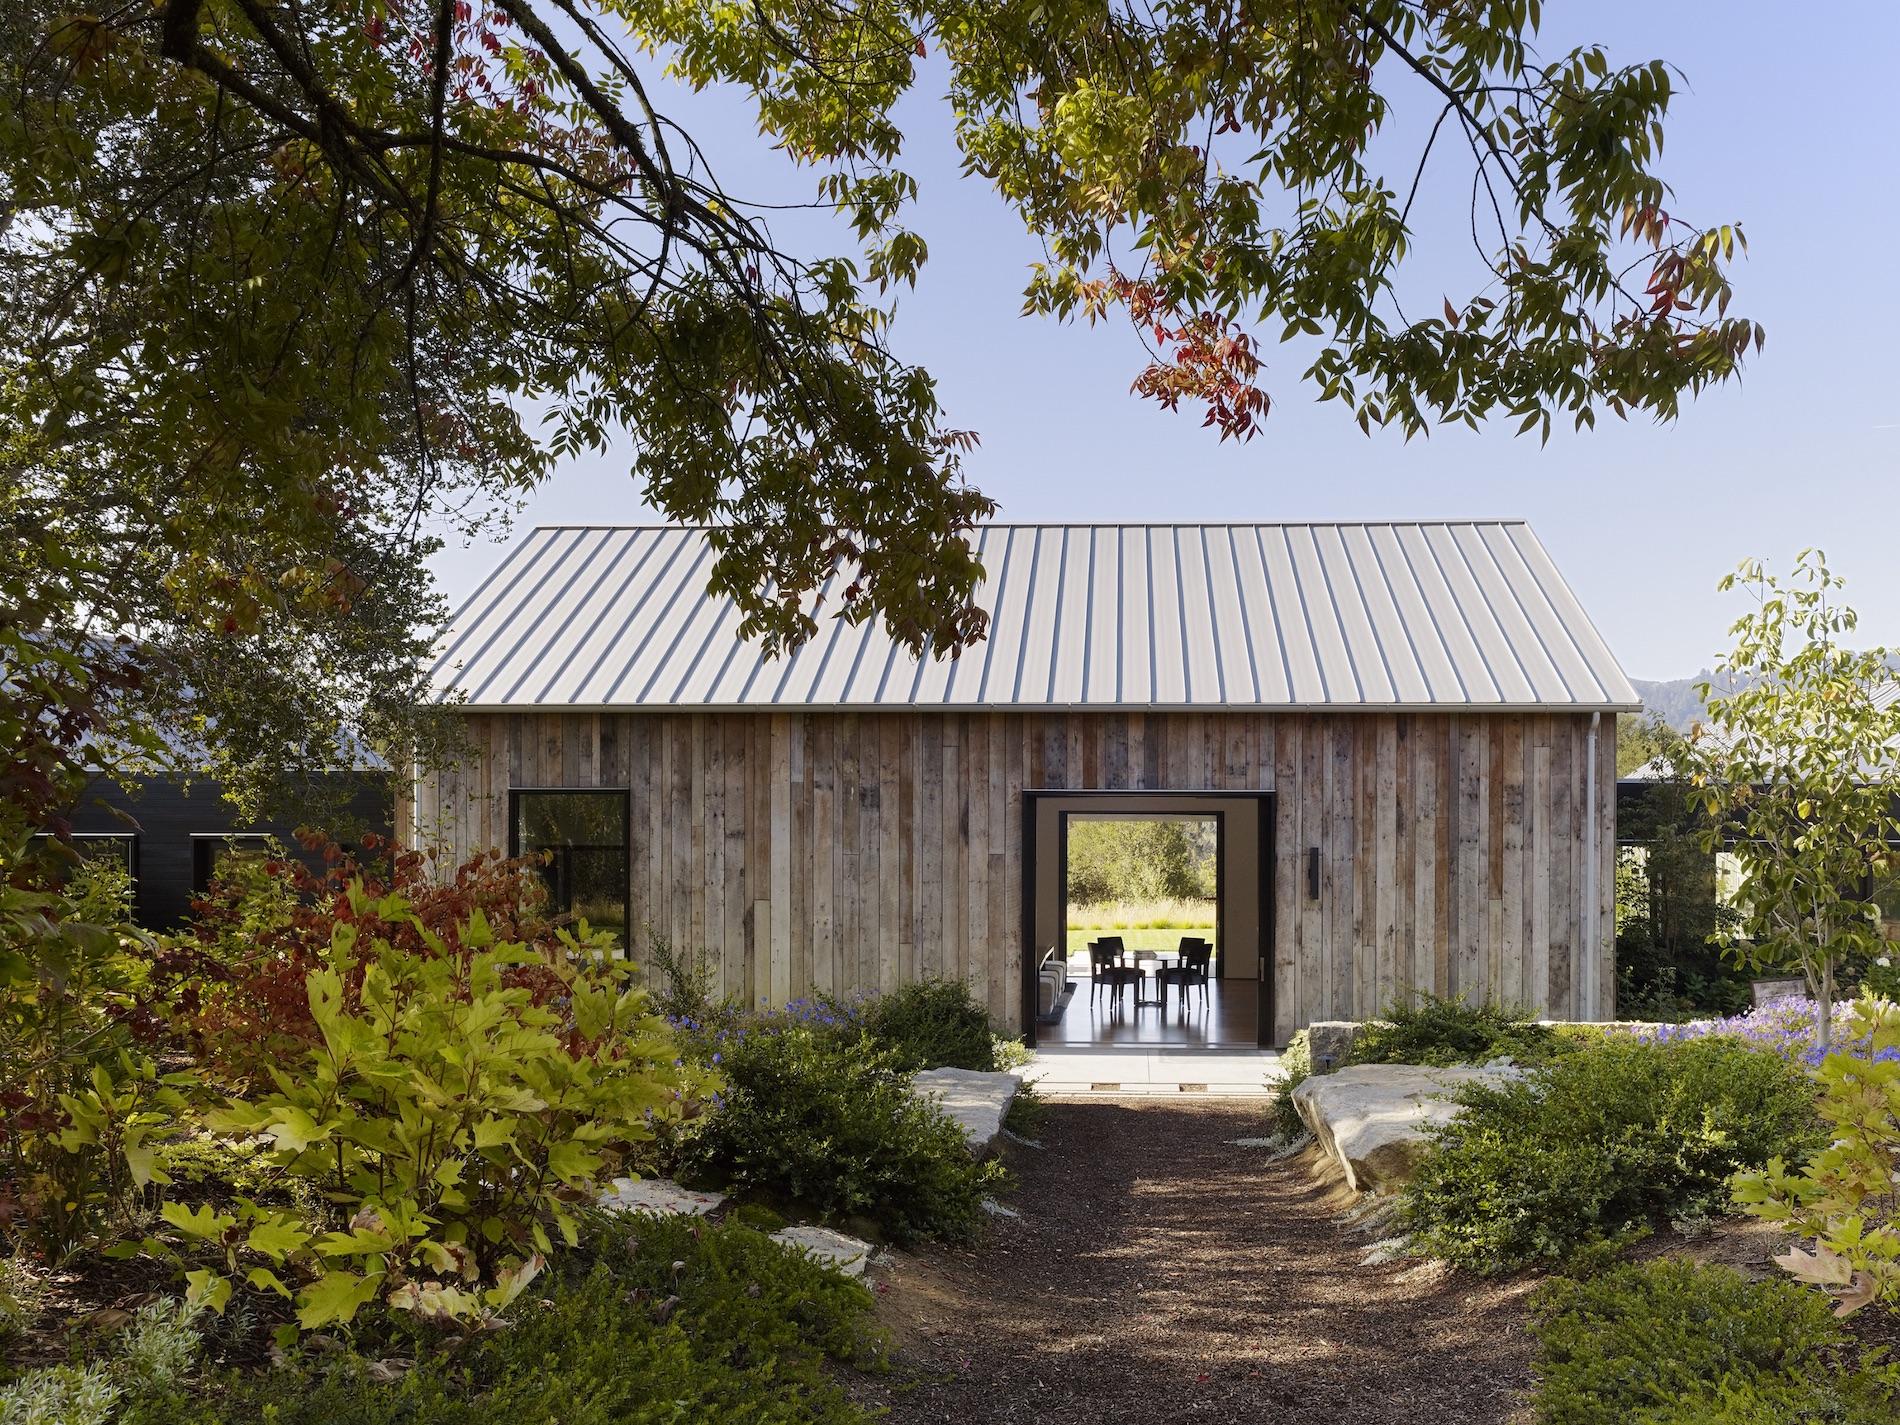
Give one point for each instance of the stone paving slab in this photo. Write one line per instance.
(659, 1195)
(833, 1249)
(1374, 1120)
(1231, 1072)
(976, 1100)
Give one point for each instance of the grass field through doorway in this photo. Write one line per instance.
(1143, 925)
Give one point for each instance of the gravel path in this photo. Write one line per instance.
(1158, 1273)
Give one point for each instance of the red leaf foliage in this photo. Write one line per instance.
(234, 983)
(1203, 357)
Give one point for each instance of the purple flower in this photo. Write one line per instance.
(1785, 1027)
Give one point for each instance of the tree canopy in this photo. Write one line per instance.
(1798, 770)
(296, 285)
(1141, 859)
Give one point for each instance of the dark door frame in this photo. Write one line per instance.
(1265, 809)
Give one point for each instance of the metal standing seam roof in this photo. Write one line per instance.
(1434, 614)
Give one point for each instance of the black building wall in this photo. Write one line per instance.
(167, 820)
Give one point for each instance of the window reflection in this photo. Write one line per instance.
(584, 834)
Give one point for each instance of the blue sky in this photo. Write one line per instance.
(1790, 127)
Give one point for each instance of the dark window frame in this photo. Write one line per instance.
(625, 794)
(201, 870)
(129, 838)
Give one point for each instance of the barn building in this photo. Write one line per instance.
(1405, 731)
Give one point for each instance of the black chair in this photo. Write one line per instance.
(1107, 971)
(1190, 971)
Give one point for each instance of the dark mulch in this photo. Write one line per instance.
(1159, 1273)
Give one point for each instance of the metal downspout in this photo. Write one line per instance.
(1590, 1006)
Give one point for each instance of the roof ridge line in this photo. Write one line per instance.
(1104, 524)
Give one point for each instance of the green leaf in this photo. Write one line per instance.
(202, 1222)
(335, 1297)
(142, 1162)
(293, 1129)
(277, 1237)
(208, 1289)
(264, 1279)
(571, 1162)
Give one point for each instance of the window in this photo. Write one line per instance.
(116, 849)
(585, 837)
(212, 852)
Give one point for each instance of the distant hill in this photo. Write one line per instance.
(1674, 700)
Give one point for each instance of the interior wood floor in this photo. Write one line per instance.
(1230, 1017)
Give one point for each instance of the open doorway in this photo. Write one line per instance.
(1149, 913)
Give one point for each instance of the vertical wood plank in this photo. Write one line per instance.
(738, 856)
(1508, 778)
(782, 852)
(952, 808)
(822, 838)
(697, 868)
(847, 868)
(906, 850)
(1385, 861)
(1316, 991)
(712, 891)
(930, 739)
(1562, 866)
(974, 966)
(1337, 885)
(1014, 948)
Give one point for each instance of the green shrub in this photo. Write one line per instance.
(462, 1099)
(76, 1107)
(1671, 1341)
(198, 1163)
(743, 1299)
(931, 1024)
(1296, 1065)
(827, 1121)
(1864, 1394)
(1011, 1053)
(654, 1321)
(681, 983)
(1600, 1142)
(1028, 1113)
(1442, 1032)
(152, 1356)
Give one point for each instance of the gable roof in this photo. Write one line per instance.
(1430, 615)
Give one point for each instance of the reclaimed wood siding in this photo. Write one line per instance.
(840, 850)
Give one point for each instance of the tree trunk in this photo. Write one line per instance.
(1824, 1005)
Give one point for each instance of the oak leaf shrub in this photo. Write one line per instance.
(1846, 1197)
(463, 1099)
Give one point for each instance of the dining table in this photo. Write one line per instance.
(1149, 964)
